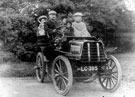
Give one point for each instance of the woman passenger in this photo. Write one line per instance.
(80, 29)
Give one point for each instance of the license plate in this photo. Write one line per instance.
(87, 68)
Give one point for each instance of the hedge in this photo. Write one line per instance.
(18, 32)
(19, 36)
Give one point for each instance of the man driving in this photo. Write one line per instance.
(51, 24)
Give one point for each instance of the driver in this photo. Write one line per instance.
(51, 24)
(80, 29)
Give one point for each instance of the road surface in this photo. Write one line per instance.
(29, 87)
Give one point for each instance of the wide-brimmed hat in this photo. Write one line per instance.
(52, 12)
(78, 14)
(42, 17)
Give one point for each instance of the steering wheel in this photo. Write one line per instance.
(59, 34)
(61, 26)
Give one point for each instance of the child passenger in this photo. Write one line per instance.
(41, 30)
(68, 29)
(80, 29)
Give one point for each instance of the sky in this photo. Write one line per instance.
(130, 4)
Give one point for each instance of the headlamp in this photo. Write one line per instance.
(75, 49)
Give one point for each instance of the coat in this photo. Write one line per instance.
(80, 29)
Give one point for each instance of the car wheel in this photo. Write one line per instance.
(62, 75)
(40, 69)
(111, 77)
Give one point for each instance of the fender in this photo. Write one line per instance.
(110, 50)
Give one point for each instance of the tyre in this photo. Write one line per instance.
(40, 69)
(62, 75)
(112, 74)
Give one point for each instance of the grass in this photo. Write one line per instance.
(12, 67)
(17, 70)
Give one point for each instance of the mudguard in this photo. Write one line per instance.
(110, 50)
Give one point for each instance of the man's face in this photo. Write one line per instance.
(78, 18)
(52, 16)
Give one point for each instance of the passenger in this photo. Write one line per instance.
(64, 20)
(68, 29)
(41, 20)
(63, 23)
(80, 29)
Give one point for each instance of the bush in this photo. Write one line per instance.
(107, 21)
(18, 32)
(19, 36)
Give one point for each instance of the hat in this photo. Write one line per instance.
(42, 17)
(78, 14)
(52, 12)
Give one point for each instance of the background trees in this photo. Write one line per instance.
(110, 20)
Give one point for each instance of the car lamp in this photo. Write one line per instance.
(75, 49)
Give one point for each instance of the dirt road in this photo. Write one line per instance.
(16, 87)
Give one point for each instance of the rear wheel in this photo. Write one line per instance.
(40, 69)
(62, 75)
(112, 74)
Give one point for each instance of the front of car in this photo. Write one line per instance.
(86, 56)
(87, 50)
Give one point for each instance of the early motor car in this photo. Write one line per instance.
(83, 59)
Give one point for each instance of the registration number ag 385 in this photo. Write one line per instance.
(87, 68)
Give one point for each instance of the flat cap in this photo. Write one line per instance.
(78, 14)
(52, 12)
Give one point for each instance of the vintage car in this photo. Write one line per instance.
(83, 59)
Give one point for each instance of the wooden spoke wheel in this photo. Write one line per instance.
(62, 75)
(111, 77)
(40, 69)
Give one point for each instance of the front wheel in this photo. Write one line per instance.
(62, 75)
(111, 75)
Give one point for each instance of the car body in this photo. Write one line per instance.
(83, 59)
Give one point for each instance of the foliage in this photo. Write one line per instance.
(18, 31)
(63, 8)
(109, 19)
(19, 36)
